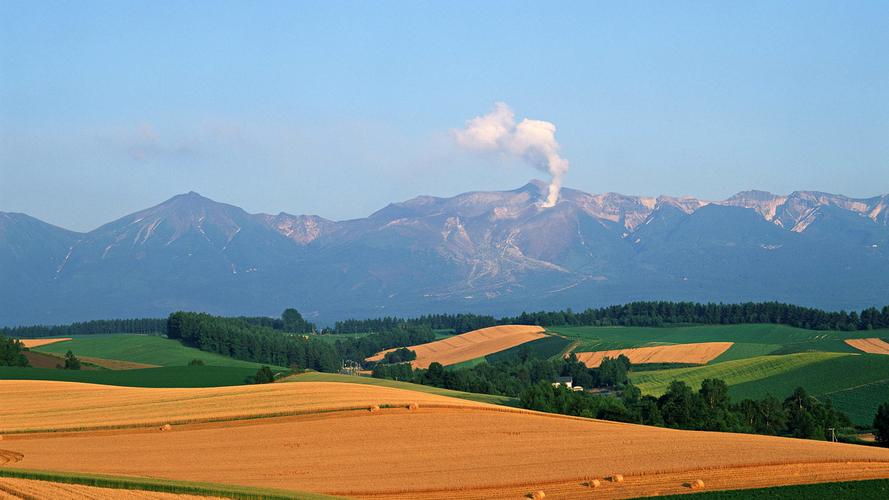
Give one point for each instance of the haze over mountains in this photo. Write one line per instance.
(490, 252)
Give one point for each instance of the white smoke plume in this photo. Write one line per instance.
(534, 141)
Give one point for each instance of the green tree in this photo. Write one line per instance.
(263, 376)
(11, 352)
(196, 362)
(71, 361)
(881, 424)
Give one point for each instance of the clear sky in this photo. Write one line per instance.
(338, 108)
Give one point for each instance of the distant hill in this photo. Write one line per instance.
(489, 252)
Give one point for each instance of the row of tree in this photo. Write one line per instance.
(654, 314)
(134, 325)
(237, 338)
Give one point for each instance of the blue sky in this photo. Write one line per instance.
(338, 108)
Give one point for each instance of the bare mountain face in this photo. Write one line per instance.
(492, 252)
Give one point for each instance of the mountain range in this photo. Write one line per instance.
(489, 252)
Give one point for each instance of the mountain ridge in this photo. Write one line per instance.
(485, 251)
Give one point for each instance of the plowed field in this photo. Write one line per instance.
(700, 353)
(872, 346)
(470, 345)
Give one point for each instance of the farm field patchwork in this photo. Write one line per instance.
(697, 353)
(735, 372)
(749, 339)
(147, 349)
(491, 452)
(471, 345)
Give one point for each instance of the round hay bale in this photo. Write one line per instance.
(1, 437)
(166, 427)
(593, 483)
(413, 406)
(617, 478)
(697, 484)
(373, 408)
(538, 495)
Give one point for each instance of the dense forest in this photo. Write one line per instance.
(654, 314)
(239, 339)
(11, 352)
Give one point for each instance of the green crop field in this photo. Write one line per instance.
(171, 376)
(332, 338)
(750, 370)
(856, 384)
(150, 349)
(544, 348)
(353, 379)
(618, 337)
(878, 488)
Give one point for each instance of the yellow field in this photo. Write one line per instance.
(457, 449)
(872, 346)
(48, 405)
(29, 489)
(470, 345)
(29, 343)
(700, 353)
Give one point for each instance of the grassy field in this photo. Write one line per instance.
(352, 379)
(763, 336)
(150, 349)
(878, 488)
(732, 372)
(544, 348)
(332, 338)
(171, 376)
(856, 384)
(162, 485)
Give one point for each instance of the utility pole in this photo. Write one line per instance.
(833, 434)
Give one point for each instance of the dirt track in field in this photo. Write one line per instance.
(30, 343)
(699, 353)
(871, 346)
(470, 345)
(28, 489)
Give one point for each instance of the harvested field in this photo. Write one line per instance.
(57, 406)
(700, 353)
(115, 364)
(871, 346)
(41, 360)
(29, 343)
(28, 489)
(444, 452)
(470, 345)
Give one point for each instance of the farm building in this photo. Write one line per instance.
(566, 381)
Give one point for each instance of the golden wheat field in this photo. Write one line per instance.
(871, 346)
(456, 449)
(470, 345)
(29, 343)
(699, 353)
(58, 406)
(28, 489)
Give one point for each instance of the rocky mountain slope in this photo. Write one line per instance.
(494, 252)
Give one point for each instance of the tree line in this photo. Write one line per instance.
(134, 325)
(651, 313)
(239, 339)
